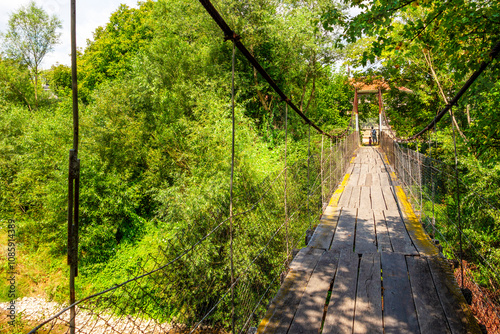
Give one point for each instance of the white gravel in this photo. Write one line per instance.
(36, 310)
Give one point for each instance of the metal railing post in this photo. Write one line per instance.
(231, 195)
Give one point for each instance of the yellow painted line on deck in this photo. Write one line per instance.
(415, 229)
(336, 195)
(352, 159)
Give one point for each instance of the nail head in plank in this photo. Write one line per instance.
(400, 316)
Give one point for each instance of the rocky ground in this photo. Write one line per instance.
(36, 310)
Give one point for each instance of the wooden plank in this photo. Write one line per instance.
(389, 199)
(309, 315)
(376, 179)
(349, 169)
(400, 316)
(430, 314)
(378, 202)
(368, 313)
(400, 240)
(354, 201)
(340, 313)
(306, 259)
(368, 179)
(384, 180)
(283, 307)
(345, 197)
(365, 201)
(365, 232)
(383, 239)
(364, 167)
(323, 235)
(458, 314)
(353, 180)
(362, 179)
(356, 168)
(344, 234)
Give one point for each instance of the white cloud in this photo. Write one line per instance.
(90, 15)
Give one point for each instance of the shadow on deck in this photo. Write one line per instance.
(369, 267)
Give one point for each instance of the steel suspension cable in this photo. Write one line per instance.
(495, 51)
(458, 206)
(229, 34)
(286, 181)
(231, 193)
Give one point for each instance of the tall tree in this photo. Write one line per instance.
(32, 33)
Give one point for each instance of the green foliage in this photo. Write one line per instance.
(59, 80)
(31, 35)
(15, 84)
(109, 54)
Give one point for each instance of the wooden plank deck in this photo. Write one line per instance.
(363, 273)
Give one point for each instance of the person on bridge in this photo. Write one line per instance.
(374, 136)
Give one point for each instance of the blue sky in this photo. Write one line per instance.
(90, 15)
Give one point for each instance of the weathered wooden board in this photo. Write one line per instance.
(356, 168)
(364, 168)
(344, 234)
(282, 309)
(383, 239)
(353, 180)
(368, 179)
(376, 179)
(365, 201)
(306, 259)
(355, 197)
(400, 239)
(365, 232)
(430, 314)
(378, 202)
(389, 199)
(455, 308)
(345, 197)
(323, 235)
(309, 315)
(368, 313)
(340, 313)
(384, 180)
(362, 179)
(400, 316)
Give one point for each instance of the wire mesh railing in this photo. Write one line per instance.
(185, 284)
(459, 225)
